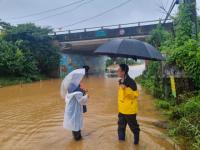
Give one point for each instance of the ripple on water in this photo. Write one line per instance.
(32, 116)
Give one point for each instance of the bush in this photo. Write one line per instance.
(148, 83)
(191, 62)
(187, 122)
(14, 62)
(163, 104)
(176, 113)
(38, 42)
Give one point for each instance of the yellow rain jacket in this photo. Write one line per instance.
(127, 100)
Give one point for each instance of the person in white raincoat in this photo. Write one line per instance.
(75, 97)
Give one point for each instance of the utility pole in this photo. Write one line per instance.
(174, 2)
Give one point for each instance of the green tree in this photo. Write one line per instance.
(183, 24)
(158, 36)
(4, 25)
(35, 40)
(14, 62)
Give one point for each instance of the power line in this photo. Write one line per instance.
(98, 15)
(46, 11)
(174, 2)
(164, 8)
(70, 10)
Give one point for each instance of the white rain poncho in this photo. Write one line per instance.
(73, 117)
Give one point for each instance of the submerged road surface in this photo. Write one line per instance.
(31, 118)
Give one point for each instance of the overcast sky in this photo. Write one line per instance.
(133, 11)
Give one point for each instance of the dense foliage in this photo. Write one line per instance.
(27, 51)
(183, 51)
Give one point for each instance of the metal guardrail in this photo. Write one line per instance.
(110, 26)
(111, 31)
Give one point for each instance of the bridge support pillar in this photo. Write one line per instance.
(69, 62)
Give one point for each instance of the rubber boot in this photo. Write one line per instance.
(77, 135)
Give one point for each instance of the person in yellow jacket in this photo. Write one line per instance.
(127, 104)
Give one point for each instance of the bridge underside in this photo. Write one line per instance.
(76, 54)
(87, 47)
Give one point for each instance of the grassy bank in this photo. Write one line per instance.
(6, 81)
(184, 122)
(148, 83)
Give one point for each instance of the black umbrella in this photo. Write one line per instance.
(129, 48)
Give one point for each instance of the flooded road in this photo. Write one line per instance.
(31, 118)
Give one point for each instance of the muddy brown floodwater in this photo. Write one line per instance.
(31, 118)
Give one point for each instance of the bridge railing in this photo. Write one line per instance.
(111, 31)
(142, 23)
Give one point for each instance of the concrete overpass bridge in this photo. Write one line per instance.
(87, 40)
(77, 46)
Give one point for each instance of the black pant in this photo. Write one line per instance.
(77, 135)
(132, 123)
